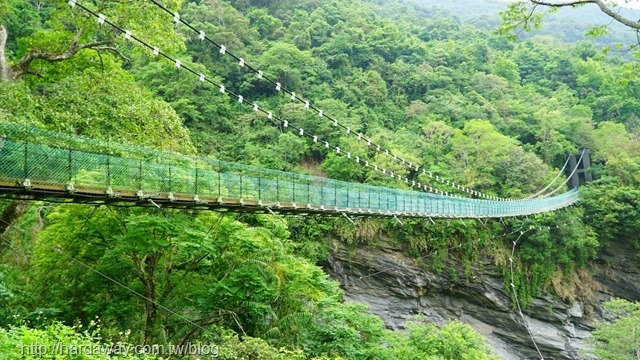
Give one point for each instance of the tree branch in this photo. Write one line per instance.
(562, 4)
(113, 49)
(21, 67)
(603, 7)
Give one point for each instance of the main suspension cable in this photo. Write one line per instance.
(285, 123)
(177, 18)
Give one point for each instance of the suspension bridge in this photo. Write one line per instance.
(37, 164)
(48, 165)
(42, 164)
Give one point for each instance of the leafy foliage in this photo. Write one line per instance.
(448, 95)
(550, 244)
(454, 340)
(23, 342)
(344, 330)
(613, 211)
(619, 339)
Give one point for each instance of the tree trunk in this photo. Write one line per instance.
(6, 74)
(12, 212)
(151, 309)
(146, 269)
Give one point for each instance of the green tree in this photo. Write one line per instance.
(614, 147)
(344, 330)
(240, 277)
(454, 340)
(268, 26)
(619, 339)
(612, 210)
(508, 69)
(65, 36)
(482, 158)
(296, 70)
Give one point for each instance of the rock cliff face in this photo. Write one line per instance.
(396, 288)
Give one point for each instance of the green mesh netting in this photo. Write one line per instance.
(53, 159)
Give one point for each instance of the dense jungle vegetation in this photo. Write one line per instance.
(495, 115)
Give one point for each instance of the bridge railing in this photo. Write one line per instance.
(44, 158)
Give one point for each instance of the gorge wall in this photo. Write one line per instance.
(396, 288)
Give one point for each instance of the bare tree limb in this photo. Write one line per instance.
(562, 4)
(34, 73)
(603, 7)
(113, 49)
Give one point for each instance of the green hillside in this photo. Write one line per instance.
(444, 92)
